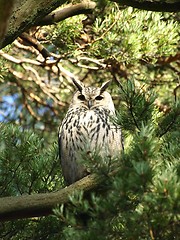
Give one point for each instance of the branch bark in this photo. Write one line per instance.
(57, 16)
(42, 204)
(36, 44)
(156, 6)
(25, 15)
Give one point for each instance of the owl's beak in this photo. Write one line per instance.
(89, 104)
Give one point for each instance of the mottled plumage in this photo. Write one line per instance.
(86, 127)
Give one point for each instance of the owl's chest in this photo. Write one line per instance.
(88, 119)
(87, 125)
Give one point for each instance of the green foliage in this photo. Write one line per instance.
(26, 165)
(134, 35)
(141, 201)
(127, 35)
(65, 33)
(137, 104)
(171, 121)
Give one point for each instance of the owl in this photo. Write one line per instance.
(87, 127)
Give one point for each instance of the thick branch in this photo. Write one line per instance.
(25, 14)
(156, 6)
(57, 16)
(42, 204)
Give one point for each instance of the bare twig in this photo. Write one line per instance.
(21, 46)
(50, 64)
(20, 61)
(27, 106)
(99, 62)
(36, 44)
(46, 88)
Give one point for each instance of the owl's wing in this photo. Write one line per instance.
(119, 134)
(59, 141)
(62, 156)
(121, 138)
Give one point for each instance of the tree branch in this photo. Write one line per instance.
(42, 204)
(25, 14)
(169, 59)
(57, 16)
(36, 44)
(156, 6)
(28, 13)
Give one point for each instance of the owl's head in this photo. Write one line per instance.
(92, 97)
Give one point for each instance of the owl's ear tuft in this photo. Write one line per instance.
(78, 84)
(104, 86)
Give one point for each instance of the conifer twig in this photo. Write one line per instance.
(109, 28)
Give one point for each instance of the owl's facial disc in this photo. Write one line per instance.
(90, 97)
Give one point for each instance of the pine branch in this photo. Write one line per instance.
(36, 205)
